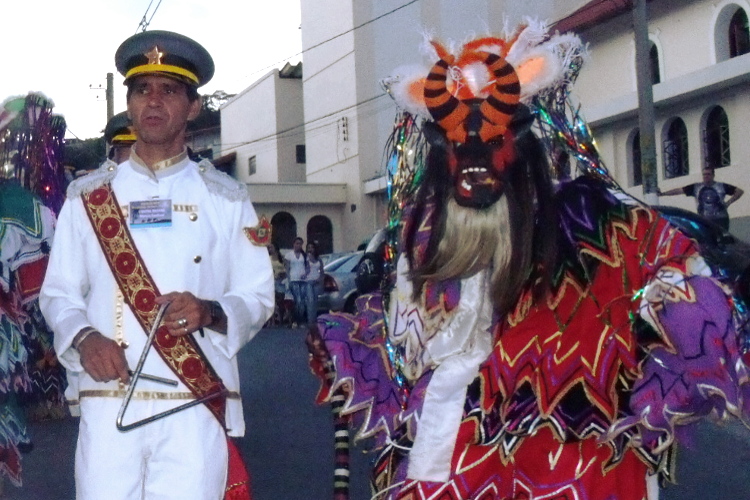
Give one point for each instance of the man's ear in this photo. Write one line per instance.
(195, 109)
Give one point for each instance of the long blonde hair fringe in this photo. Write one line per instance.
(473, 241)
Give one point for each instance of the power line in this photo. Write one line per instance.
(144, 24)
(301, 126)
(335, 37)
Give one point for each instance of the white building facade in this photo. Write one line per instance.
(263, 139)
(699, 52)
(349, 47)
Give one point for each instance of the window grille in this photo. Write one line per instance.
(676, 150)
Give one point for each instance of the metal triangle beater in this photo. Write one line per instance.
(136, 374)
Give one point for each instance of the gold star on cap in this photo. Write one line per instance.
(154, 56)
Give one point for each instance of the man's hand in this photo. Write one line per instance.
(103, 358)
(186, 313)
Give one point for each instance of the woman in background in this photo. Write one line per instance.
(279, 280)
(314, 282)
(295, 262)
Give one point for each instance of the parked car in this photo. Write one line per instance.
(370, 268)
(721, 249)
(339, 288)
(327, 258)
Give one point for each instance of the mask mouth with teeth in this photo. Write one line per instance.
(478, 169)
(478, 143)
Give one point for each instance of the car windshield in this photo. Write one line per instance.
(344, 263)
(330, 257)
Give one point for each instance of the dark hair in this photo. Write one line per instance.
(298, 239)
(314, 251)
(532, 216)
(276, 252)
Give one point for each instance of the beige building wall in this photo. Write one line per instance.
(349, 47)
(696, 75)
(264, 121)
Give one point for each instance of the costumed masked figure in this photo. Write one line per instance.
(31, 378)
(534, 337)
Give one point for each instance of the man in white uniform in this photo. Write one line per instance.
(196, 246)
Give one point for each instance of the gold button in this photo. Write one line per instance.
(202, 169)
(197, 258)
(111, 168)
(193, 217)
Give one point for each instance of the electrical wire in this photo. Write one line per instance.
(333, 37)
(301, 128)
(144, 24)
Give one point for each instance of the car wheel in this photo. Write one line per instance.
(369, 273)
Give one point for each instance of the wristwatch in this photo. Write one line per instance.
(217, 313)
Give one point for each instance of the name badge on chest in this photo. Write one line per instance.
(150, 213)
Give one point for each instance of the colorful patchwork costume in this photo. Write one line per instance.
(573, 393)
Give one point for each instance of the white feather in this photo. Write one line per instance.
(398, 86)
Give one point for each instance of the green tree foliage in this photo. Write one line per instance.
(209, 115)
(85, 154)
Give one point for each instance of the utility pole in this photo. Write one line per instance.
(110, 97)
(645, 102)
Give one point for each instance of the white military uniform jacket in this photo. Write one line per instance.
(205, 251)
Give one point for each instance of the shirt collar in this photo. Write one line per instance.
(162, 168)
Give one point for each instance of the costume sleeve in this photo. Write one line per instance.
(730, 189)
(359, 367)
(248, 300)
(63, 295)
(692, 365)
(689, 190)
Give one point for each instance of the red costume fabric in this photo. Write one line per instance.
(582, 390)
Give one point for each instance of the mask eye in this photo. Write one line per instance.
(496, 142)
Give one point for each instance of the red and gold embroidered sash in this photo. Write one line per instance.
(182, 354)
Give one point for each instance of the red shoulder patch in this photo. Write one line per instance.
(259, 235)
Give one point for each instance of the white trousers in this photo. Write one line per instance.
(180, 457)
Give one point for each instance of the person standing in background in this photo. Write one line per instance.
(296, 269)
(279, 279)
(314, 281)
(120, 135)
(709, 195)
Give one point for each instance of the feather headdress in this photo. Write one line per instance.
(511, 68)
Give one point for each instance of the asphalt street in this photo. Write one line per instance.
(289, 444)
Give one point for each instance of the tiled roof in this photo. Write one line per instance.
(591, 14)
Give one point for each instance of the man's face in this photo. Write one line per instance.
(297, 245)
(708, 175)
(120, 153)
(160, 109)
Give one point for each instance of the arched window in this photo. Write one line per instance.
(739, 35)
(635, 158)
(653, 55)
(320, 230)
(676, 149)
(716, 139)
(284, 230)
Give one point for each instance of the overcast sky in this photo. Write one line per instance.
(61, 47)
